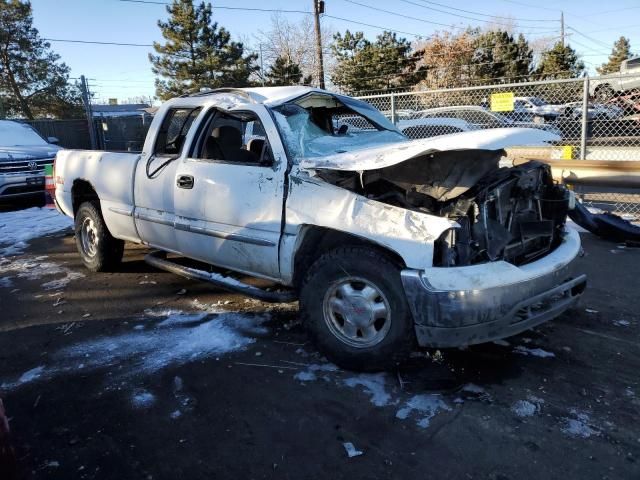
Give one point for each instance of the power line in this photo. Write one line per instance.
(489, 15)
(537, 7)
(375, 26)
(397, 14)
(598, 42)
(607, 11)
(225, 7)
(95, 42)
(464, 16)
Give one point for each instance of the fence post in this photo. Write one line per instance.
(585, 119)
(393, 108)
(86, 99)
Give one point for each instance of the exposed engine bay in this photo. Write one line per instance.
(515, 214)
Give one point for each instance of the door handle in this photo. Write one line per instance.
(185, 181)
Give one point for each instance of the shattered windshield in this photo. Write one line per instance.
(319, 125)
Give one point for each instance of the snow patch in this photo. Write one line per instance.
(172, 341)
(18, 227)
(143, 399)
(425, 405)
(374, 384)
(27, 377)
(525, 408)
(622, 323)
(309, 375)
(579, 426)
(534, 352)
(35, 268)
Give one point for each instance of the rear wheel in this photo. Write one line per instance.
(354, 307)
(98, 249)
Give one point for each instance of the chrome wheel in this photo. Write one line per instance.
(89, 237)
(357, 312)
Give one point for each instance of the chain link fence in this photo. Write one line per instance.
(592, 119)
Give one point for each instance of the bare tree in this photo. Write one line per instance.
(294, 41)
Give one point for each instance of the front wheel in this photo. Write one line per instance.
(98, 249)
(354, 307)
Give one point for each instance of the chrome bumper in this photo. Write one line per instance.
(11, 184)
(460, 306)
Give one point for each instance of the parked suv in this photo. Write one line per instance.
(24, 155)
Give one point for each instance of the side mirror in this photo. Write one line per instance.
(53, 140)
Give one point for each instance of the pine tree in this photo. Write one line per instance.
(284, 72)
(560, 62)
(33, 81)
(499, 56)
(197, 53)
(387, 63)
(621, 51)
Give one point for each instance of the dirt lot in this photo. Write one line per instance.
(141, 374)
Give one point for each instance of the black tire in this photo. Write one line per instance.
(106, 252)
(380, 271)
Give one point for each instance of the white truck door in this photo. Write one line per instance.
(229, 192)
(155, 177)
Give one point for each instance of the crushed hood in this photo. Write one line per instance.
(361, 159)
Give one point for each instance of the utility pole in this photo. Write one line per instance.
(261, 65)
(562, 28)
(87, 109)
(318, 9)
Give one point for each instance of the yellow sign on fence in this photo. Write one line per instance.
(502, 102)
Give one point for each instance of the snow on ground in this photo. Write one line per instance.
(177, 340)
(579, 425)
(527, 408)
(534, 352)
(143, 399)
(20, 226)
(312, 372)
(425, 407)
(374, 384)
(36, 268)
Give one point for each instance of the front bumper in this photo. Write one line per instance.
(21, 185)
(459, 306)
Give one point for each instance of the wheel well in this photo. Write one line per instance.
(317, 241)
(82, 191)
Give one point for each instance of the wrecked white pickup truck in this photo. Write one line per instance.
(386, 242)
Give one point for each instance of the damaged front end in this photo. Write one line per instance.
(514, 214)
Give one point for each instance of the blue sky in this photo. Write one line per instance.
(123, 72)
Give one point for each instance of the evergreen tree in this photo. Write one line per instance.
(621, 51)
(499, 56)
(560, 62)
(387, 63)
(33, 81)
(285, 72)
(197, 53)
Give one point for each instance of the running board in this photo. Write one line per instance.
(156, 259)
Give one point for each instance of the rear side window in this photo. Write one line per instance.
(174, 129)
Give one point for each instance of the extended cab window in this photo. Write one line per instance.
(234, 137)
(174, 129)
